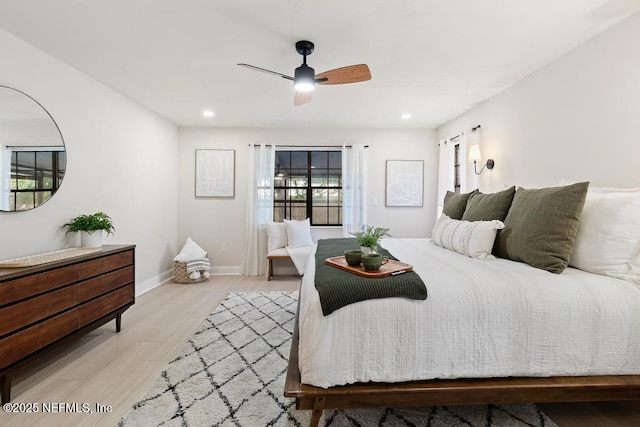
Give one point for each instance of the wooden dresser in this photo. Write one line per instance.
(45, 306)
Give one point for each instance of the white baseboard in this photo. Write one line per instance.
(167, 276)
(154, 282)
(234, 270)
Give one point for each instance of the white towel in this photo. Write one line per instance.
(198, 265)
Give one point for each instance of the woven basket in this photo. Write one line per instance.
(180, 274)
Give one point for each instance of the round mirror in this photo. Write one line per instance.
(32, 155)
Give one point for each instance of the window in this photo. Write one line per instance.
(456, 168)
(308, 184)
(35, 177)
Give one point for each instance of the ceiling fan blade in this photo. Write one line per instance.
(302, 98)
(349, 74)
(264, 70)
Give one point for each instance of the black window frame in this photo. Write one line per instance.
(285, 188)
(41, 191)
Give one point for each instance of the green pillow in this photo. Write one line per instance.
(455, 204)
(541, 226)
(487, 207)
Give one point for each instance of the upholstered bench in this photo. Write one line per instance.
(288, 238)
(279, 253)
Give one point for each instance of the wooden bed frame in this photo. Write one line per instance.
(454, 392)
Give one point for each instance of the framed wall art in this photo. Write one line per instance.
(404, 183)
(215, 173)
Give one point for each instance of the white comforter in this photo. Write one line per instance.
(481, 319)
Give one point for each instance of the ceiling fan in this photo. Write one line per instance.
(305, 78)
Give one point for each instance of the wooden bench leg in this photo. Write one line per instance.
(318, 407)
(270, 269)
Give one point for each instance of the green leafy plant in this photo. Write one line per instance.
(90, 223)
(370, 235)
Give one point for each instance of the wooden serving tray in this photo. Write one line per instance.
(389, 269)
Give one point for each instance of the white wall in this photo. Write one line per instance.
(212, 222)
(577, 118)
(121, 160)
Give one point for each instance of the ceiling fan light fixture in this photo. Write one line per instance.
(304, 86)
(304, 78)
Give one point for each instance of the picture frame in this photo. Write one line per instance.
(404, 183)
(215, 173)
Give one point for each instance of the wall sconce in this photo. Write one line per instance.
(475, 157)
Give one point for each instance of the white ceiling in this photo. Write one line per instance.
(434, 59)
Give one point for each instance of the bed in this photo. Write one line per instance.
(490, 331)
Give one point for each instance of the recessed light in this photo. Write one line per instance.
(405, 116)
(208, 113)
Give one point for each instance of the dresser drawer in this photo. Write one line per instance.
(107, 282)
(29, 286)
(98, 307)
(98, 266)
(24, 313)
(34, 338)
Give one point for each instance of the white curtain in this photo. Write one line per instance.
(5, 177)
(355, 160)
(463, 152)
(445, 172)
(259, 207)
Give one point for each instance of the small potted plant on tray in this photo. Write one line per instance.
(369, 236)
(91, 228)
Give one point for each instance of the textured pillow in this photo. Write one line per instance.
(190, 251)
(541, 226)
(486, 207)
(608, 240)
(455, 204)
(298, 233)
(276, 235)
(473, 239)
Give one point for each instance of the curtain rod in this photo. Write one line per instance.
(455, 138)
(36, 147)
(306, 146)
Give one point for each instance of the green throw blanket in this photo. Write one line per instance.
(338, 288)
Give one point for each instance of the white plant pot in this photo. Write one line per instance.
(366, 250)
(91, 239)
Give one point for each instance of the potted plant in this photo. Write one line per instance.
(91, 228)
(369, 236)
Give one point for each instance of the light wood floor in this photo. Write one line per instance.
(115, 369)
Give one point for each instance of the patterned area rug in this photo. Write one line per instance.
(232, 372)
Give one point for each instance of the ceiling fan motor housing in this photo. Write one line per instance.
(304, 78)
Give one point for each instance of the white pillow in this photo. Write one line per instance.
(608, 239)
(276, 235)
(190, 251)
(471, 238)
(298, 233)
